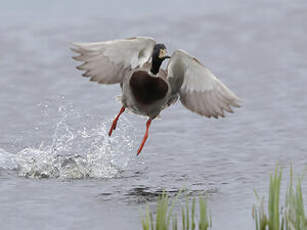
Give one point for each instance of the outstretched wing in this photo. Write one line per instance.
(108, 62)
(200, 91)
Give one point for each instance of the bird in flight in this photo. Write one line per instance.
(147, 89)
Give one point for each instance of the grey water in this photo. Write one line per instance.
(60, 170)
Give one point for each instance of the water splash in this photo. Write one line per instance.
(7, 160)
(75, 153)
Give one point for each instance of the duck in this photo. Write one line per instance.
(147, 89)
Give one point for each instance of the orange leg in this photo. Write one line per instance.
(145, 137)
(113, 127)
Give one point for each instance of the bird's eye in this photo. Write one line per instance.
(162, 53)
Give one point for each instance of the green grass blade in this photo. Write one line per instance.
(187, 213)
(183, 218)
(193, 213)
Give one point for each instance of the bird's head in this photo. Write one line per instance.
(159, 54)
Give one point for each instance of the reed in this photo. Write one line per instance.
(267, 216)
(294, 213)
(291, 216)
(164, 217)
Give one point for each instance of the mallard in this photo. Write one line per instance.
(147, 89)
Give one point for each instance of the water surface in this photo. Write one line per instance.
(58, 168)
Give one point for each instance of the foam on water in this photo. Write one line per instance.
(75, 153)
(7, 160)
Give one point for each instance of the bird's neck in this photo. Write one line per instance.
(155, 67)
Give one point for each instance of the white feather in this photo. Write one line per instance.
(108, 62)
(200, 91)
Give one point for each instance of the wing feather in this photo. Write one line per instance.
(200, 91)
(108, 62)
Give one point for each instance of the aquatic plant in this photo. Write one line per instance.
(165, 218)
(294, 213)
(291, 216)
